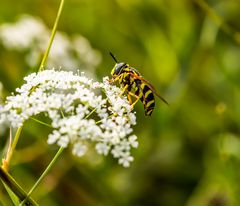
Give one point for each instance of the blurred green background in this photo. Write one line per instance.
(189, 152)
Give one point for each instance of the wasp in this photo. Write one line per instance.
(134, 85)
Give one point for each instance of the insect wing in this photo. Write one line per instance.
(149, 84)
(135, 71)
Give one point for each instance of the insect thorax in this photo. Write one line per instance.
(127, 79)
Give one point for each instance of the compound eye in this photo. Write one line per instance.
(119, 67)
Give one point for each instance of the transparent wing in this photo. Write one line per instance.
(149, 84)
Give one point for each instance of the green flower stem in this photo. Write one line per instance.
(91, 113)
(98, 122)
(6, 161)
(43, 62)
(8, 180)
(41, 122)
(43, 175)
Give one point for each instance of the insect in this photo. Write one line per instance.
(134, 85)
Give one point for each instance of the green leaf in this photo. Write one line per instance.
(13, 197)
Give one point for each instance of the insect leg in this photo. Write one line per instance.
(111, 81)
(135, 102)
(124, 89)
(129, 98)
(134, 95)
(114, 79)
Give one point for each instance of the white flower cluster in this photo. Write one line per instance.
(82, 112)
(31, 34)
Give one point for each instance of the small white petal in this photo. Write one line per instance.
(133, 141)
(52, 138)
(63, 141)
(79, 149)
(102, 148)
(125, 160)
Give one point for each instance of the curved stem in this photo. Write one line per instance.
(43, 62)
(59, 152)
(41, 122)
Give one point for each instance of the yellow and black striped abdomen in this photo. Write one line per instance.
(139, 89)
(147, 99)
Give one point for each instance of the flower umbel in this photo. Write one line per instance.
(82, 112)
(29, 34)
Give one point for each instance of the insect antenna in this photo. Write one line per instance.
(114, 58)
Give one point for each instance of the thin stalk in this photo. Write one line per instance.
(11, 149)
(98, 122)
(44, 174)
(91, 113)
(43, 62)
(41, 122)
(5, 163)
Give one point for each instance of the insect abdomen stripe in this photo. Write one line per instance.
(145, 88)
(148, 112)
(150, 104)
(147, 99)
